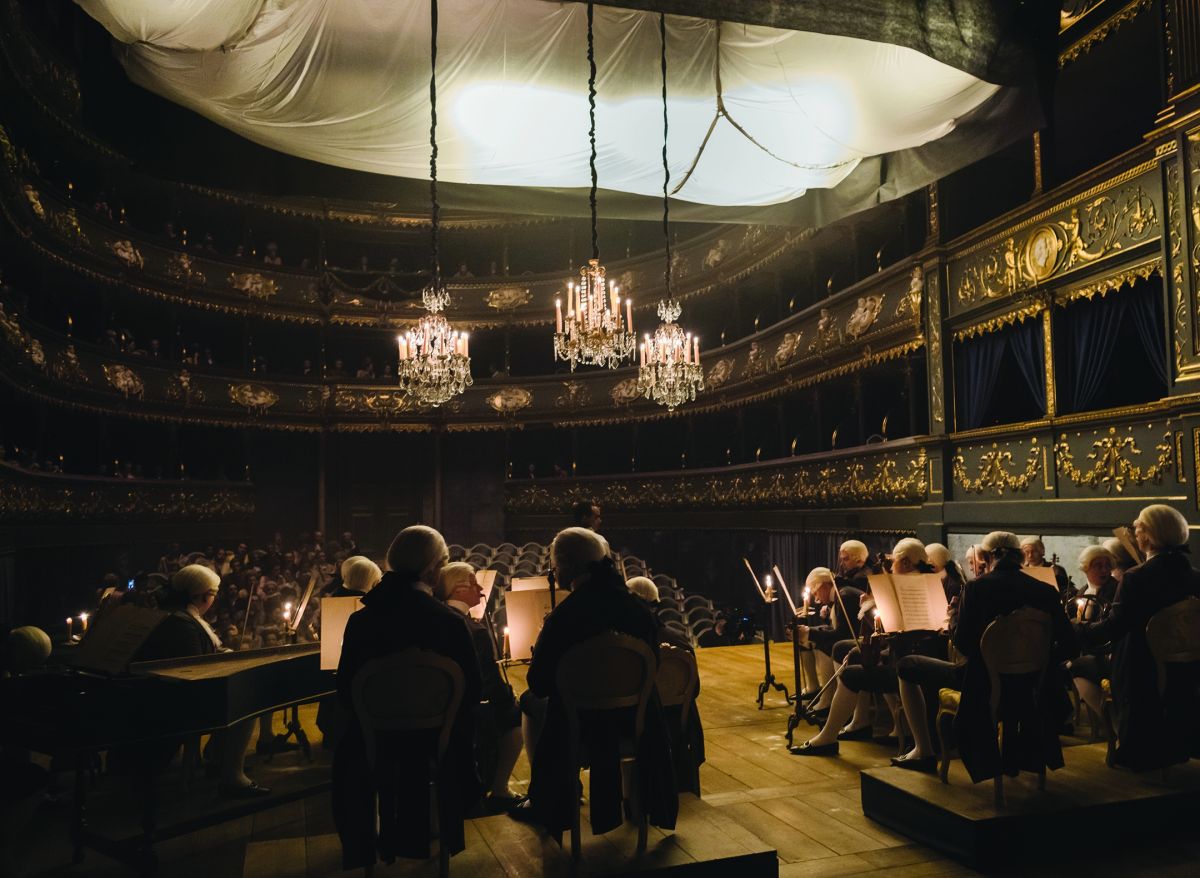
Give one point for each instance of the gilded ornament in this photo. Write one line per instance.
(1179, 328)
(756, 363)
(66, 223)
(1101, 33)
(181, 388)
(380, 402)
(253, 284)
(1111, 468)
(828, 334)
(180, 267)
(509, 400)
(625, 392)
(315, 398)
(255, 397)
(994, 471)
(67, 368)
(994, 324)
(719, 373)
(508, 298)
(575, 394)
(35, 201)
(34, 352)
(1106, 224)
(866, 312)
(126, 253)
(1103, 286)
(14, 335)
(124, 380)
(910, 302)
(787, 348)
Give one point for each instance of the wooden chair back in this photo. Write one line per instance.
(408, 691)
(1173, 634)
(1016, 643)
(678, 678)
(606, 672)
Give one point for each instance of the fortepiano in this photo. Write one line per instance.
(73, 715)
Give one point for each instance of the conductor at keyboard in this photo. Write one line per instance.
(185, 632)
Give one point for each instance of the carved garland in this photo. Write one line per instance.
(1110, 466)
(1080, 48)
(1105, 285)
(994, 474)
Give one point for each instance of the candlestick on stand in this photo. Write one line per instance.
(769, 681)
(83, 623)
(70, 627)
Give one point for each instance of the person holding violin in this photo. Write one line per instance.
(1093, 604)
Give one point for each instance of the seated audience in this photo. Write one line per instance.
(599, 603)
(399, 613)
(498, 738)
(1152, 732)
(1031, 736)
(185, 632)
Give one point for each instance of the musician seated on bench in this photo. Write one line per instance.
(850, 712)
(185, 633)
(499, 718)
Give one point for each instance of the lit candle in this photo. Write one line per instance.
(696, 350)
(83, 623)
(70, 627)
(805, 595)
(878, 622)
(70, 323)
(615, 300)
(558, 316)
(687, 348)
(504, 647)
(643, 348)
(629, 315)
(1080, 609)
(769, 593)
(466, 345)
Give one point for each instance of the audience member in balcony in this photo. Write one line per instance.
(1152, 731)
(586, 513)
(272, 257)
(239, 251)
(208, 244)
(463, 271)
(100, 206)
(366, 369)
(338, 370)
(154, 349)
(1034, 551)
(206, 358)
(307, 369)
(397, 614)
(387, 374)
(169, 231)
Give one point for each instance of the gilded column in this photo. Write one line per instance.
(1048, 344)
(934, 354)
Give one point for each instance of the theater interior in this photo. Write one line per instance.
(787, 407)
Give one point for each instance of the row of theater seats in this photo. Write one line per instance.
(689, 615)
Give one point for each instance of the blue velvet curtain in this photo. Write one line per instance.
(1027, 341)
(1094, 327)
(978, 365)
(1143, 308)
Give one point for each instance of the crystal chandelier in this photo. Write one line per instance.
(595, 331)
(670, 373)
(434, 360)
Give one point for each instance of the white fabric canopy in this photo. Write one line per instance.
(345, 82)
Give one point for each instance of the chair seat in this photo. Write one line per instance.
(948, 699)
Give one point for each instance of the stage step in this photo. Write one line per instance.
(961, 818)
(705, 843)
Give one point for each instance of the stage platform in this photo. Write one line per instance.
(961, 819)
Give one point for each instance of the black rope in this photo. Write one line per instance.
(662, 32)
(436, 210)
(591, 56)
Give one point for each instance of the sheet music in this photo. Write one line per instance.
(335, 613)
(909, 602)
(526, 610)
(529, 583)
(115, 639)
(1045, 574)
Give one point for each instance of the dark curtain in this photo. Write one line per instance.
(1143, 307)
(1027, 341)
(1093, 332)
(796, 554)
(978, 366)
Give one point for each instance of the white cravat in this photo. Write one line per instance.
(458, 605)
(212, 635)
(421, 586)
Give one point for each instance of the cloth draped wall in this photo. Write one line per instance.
(758, 115)
(977, 367)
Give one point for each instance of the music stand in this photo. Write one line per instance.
(797, 699)
(769, 682)
(291, 726)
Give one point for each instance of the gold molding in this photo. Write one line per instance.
(1104, 285)
(993, 471)
(1102, 32)
(992, 324)
(1110, 466)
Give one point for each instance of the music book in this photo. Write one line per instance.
(1045, 574)
(115, 639)
(529, 583)
(335, 613)
(911, 602)
(487, 581)
(527, 609)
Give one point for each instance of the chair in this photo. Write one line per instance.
(663, 581)
(409, 691)
(699, 628)
(678, 681)
(457, 552)
(1173, 635)
(696, 614)
(693, 601)
(509, 548)
(1017, 643)
(608, 672)
(667, 603)
(668, 615)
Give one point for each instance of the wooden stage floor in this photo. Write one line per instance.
(756, 797)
